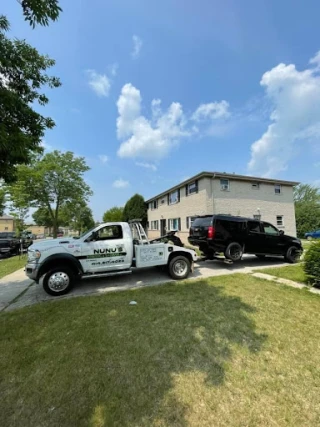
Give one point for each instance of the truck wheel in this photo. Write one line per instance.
(179, 267)
(234, 251)
(292, 255)
(58, 281)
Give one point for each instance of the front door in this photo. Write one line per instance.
(108, 251)
(274, 241)
(163, 229)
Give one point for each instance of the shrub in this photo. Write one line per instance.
(312, 263)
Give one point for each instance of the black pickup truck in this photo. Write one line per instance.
(10, 244)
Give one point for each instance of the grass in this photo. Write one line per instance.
(231, 351)
(291, 272)
(9, 265)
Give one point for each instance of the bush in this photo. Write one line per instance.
(312, 263)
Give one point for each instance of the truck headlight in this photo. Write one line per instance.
(33, 255)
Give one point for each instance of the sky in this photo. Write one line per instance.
(155, 92)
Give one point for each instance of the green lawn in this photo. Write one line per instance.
(9, 265)
(291, 272)
(228, 351)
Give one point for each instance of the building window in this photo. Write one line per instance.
(154, 225)
(224, 185)
(189, 221)
(277, 189)
(6, 228)
(257, 217)
(255, 186)
(174, 224)
(174, 197)
(191, 188)
(162, 201)
(280, 220)
(154, 205)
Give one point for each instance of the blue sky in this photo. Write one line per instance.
(155, 92)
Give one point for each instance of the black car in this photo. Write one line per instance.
(10, 243)
(235, 236)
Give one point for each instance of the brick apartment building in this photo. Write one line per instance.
(270, 200)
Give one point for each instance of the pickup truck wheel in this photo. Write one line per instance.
(58, 281)
(179, 267)
(292, 255)
(234, 251)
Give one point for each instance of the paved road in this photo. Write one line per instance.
(16, 291)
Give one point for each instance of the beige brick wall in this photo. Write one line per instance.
(6, 225)
(241, 200)
(244, 201)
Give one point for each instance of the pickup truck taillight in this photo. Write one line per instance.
(211, 232)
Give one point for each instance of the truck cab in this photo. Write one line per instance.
(107, 250)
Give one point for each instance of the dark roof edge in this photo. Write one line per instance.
(224, 175)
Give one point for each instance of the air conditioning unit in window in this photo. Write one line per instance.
(225, 187)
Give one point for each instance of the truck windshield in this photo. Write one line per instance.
(202, 222)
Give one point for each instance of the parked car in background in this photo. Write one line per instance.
(9, 244)
(235, 236)
(312, 235)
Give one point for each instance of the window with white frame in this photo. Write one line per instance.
(174, 224)
(277, 188)
(154, 205)
(280, 222)
(257, 217)
(224, 185)
(255, 186)
(154, 225)
(189, 221)
(174, 197)
(192, 188)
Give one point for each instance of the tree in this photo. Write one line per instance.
(77, 215)
(42, 217)
(2, 200)
(307, 208)
(18, 204)
(136, 208)
(53, 181)
(22, 76)
(40, 11)
(114, 214)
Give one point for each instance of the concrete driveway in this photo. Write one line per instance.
(24, 292)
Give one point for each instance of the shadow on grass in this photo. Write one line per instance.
(98, 361)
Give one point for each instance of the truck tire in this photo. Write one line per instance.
(292, 255)
(58, 281)
(234, 252)
(179, 267)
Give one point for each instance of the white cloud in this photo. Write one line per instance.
(103, 158)
(113, 69)
(211, 111)
(137, 45)
(295, 96)
(120, 183)
(47, 147)
(99, 83)
(147, 166)
(153, 138)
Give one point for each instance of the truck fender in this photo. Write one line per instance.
(60, 258)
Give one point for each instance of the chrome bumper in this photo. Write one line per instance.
(31, 270)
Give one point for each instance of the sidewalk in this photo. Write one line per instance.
(12, 286)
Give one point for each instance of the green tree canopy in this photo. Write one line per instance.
(18, 204)
(22, 76)
(2, 200)
(135, 208)
(114, 214)
(307, 208)
(40, 11)
(77, 215)
(54, 181)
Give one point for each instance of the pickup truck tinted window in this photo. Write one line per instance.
(254, 226)
(230, 226)
(270, 229)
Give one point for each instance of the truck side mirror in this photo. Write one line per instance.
(92, 237)
(281, 232)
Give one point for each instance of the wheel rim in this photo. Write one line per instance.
(235, 253)
(58, 281)
(180, 267)
(294, 254)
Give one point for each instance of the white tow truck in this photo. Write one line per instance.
(107, 250)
